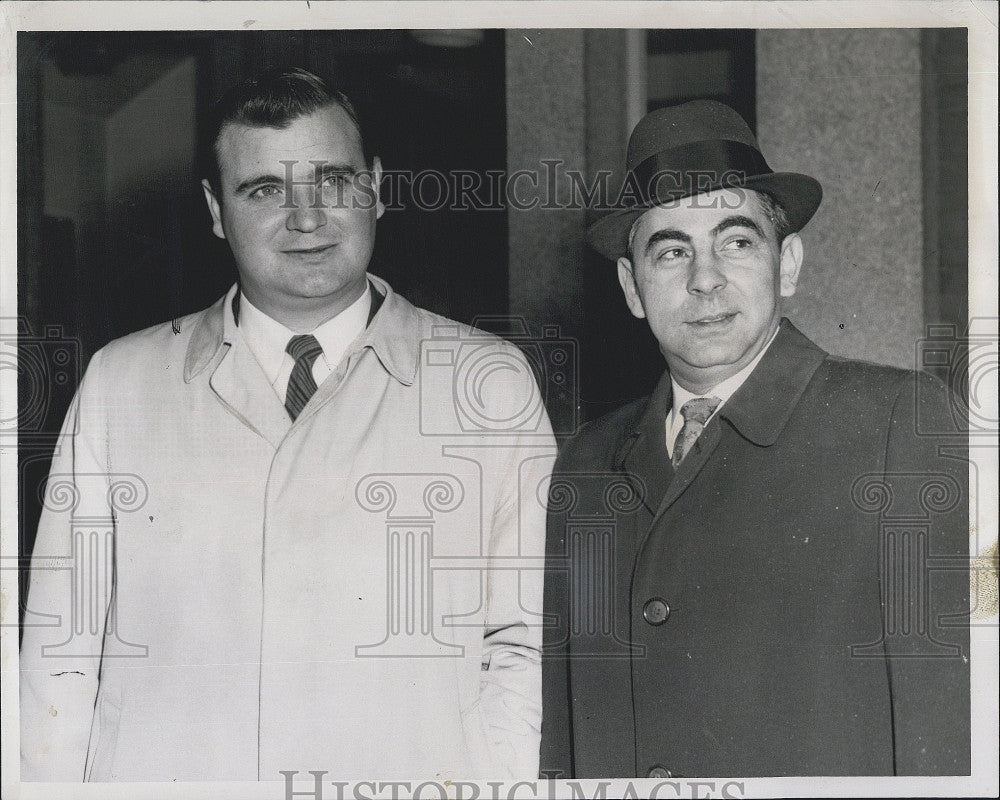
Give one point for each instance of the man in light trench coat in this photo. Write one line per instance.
(281, 534)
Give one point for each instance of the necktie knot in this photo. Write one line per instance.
(305, 347)
(699, 409)
(696, 413)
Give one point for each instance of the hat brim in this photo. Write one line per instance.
(800, 196)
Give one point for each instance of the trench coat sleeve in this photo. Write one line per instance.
(60, 665)
(930, 693)
(510, 684)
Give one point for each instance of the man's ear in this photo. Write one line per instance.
(213, 209)
(377, 187)
(626, 277)
(790, 263)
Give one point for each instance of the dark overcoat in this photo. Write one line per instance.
(793, 601)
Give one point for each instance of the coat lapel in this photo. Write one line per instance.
(689, 468)
(332, 384)
(240, 383)
(643, 454)
(234, 375)
(760, 408)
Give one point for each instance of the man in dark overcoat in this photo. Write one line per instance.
(761, 569)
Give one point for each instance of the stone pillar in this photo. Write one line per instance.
(568, 98)
(845, 107)
(546, 120)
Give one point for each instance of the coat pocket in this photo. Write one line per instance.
(104, 735)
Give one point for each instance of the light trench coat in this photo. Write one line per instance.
(218, 593)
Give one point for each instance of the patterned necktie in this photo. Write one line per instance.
(301, 384)
(696, 413)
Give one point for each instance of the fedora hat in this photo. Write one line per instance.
(689, 149)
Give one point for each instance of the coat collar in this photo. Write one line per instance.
(393, 333)
(762, 406)
(759, 409)
(207, 338)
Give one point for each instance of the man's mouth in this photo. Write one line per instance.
(309, 251)
(710, 320)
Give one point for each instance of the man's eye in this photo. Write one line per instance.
(337, 179)
(739, 243)
(671, 254)
(267, 190)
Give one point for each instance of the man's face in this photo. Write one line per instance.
(708, 274)
(286, 205)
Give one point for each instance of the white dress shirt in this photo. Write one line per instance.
(724, 390)
(268, 338)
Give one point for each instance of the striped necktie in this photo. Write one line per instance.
(696, 413)
(301, 384)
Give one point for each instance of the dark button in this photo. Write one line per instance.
(660, 772)
(656, 611)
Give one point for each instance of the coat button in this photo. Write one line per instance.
(659, 772)
(656, 611)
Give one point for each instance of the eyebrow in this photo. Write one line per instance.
(259, 180)
(321, 173)
(738, 221)
(325, 171)
(664, 235)
(670, 234)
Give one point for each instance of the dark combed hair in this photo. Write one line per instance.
(777, 214)
(271, 99)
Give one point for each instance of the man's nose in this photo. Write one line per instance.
(307, 215)
(705, 274)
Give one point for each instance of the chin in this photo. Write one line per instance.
(710, 348)
(715, 356)
(322, 286)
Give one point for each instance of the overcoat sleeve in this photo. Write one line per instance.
(930, 683)
(510, 686)
(70, 588)
(557, 748)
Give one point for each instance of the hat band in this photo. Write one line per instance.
(695, 168)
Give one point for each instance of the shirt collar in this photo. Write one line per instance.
(267, 338)
(394, 333)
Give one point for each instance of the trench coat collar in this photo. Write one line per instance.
(394, 333)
